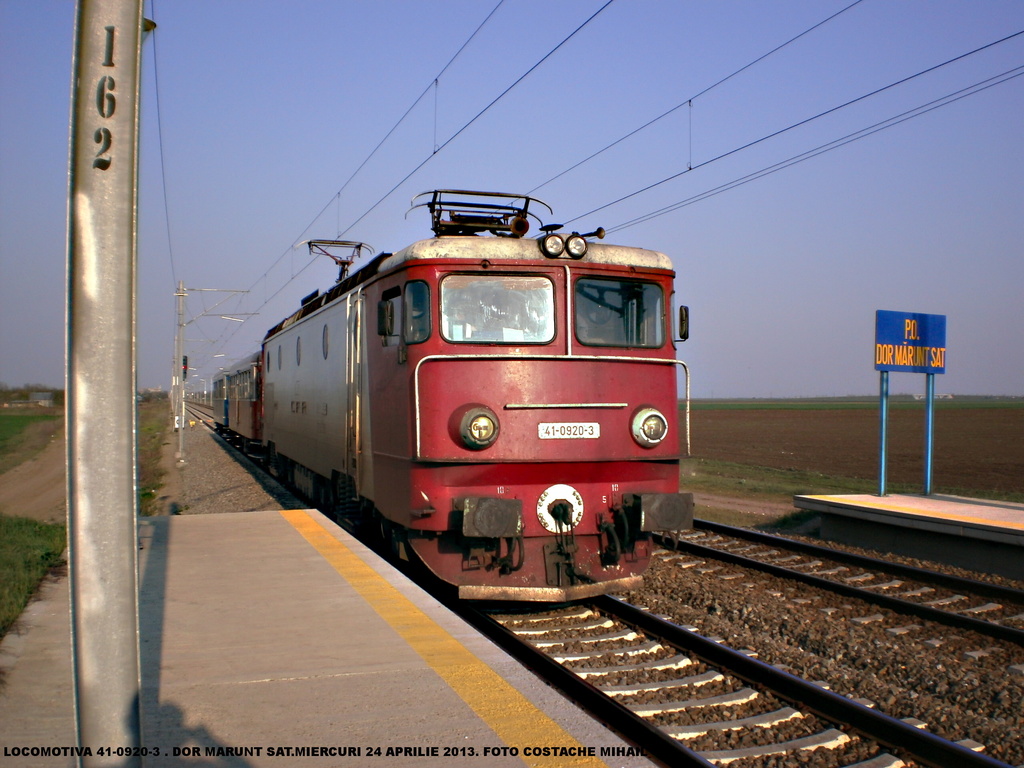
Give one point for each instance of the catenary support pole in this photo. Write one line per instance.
(101, 378)
(181, 372)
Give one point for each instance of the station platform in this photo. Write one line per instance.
(982, 535)
(274, 638)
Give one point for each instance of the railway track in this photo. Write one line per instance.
(689, 700)
(644, 677)
(975, 606)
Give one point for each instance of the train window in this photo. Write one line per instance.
(503, 309)
(417, 312)
(619, 313)
(298, 350)
(389, 316)
(324, 342)
(279, 357)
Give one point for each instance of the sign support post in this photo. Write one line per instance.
(929, 422)
(883, 410)
(913, 342)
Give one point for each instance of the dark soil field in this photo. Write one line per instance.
(978, 447)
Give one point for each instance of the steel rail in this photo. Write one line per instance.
(926, 747)
(655, 742)
(937, 615)
(981, 588)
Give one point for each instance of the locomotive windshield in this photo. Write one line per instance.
(619, 313)
(503, 309)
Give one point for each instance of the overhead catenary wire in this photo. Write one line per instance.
(798, 124)
(862, 133)
(689, 102)
(432, 85)
(477, 116)
(807, 155)
(160, 148)
(411, 173)
(337, 195)
(373, 152)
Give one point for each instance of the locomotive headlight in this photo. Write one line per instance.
(478, 427)
(576, 246)
(649, 427)
(552, 245)
(481, 429)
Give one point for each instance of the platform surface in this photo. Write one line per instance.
(976, 534)
(953, 515)
(267, 631)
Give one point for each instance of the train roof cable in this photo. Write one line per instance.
(829, 146)
(696, 96)
(798, 124)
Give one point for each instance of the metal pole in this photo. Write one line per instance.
(883, 429)
(181, 372)
(101, 378)
(929, 421)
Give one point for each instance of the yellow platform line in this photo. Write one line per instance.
(512, 716)
(885, 506)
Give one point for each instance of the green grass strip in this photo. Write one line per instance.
(28, 549)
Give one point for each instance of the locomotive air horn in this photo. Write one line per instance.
(598, 233)
(520, 226)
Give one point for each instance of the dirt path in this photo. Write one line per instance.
(769, 509)
(36, 488)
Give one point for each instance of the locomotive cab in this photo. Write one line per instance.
(509, 405)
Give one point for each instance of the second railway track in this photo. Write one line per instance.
(975, 606)
(689, 700)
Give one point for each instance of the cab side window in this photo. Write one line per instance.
(416, 312)
(389, 317)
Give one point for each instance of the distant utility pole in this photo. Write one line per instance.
(177, 380)
(179, 371)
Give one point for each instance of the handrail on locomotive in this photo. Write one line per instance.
(469, 213)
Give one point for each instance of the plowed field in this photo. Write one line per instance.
(976, 449)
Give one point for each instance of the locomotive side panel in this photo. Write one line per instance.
(389, 392)
(316, 412)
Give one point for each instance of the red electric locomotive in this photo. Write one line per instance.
(504, 408)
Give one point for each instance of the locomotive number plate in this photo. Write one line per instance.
(560, 430)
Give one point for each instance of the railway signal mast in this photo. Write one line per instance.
(178, 383)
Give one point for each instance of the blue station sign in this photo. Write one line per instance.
(910, 342)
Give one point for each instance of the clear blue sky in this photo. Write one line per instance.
(267, 108)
